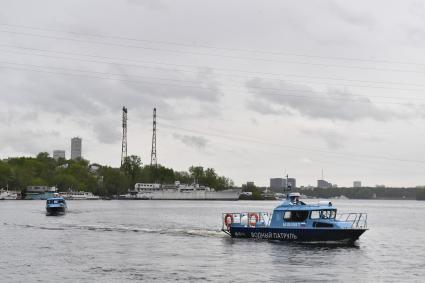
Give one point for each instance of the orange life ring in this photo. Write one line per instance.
(252, 221)
(228, 220)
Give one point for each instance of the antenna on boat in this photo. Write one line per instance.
(286, 181)
(288, 185)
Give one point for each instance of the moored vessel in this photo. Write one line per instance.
(294, 220)
(40, 192)
(8, 195)
(79, 195)
(56, 206)
(177, 191)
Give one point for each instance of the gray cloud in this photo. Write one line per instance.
(263, 107)
(192, 141)
(414, 34)
(287, 98)
(28, 141)
(332, 138)
(88, 94)
(154, 5)
(107, 133)
(95, 103)
(351, 16)
(202, 87)
(417, 8)
(167, 40)
(14, 116)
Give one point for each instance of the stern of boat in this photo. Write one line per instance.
(244, 219)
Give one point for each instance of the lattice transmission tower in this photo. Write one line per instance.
(153, 151)
(124, 135)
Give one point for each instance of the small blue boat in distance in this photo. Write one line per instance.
(294, 220)
(56, 206)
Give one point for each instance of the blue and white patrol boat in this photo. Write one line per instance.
(56, 206)
(294, 220)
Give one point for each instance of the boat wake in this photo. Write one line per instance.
(164, 231)
(35, 227)
(126, 229)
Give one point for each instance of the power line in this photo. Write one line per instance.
(205, 88)
(253, 140)
(216, 47)
(186, 81)
(252, 148)
(189, 71)
(193, 66)
(215, 55)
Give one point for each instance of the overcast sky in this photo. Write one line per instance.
(250, 88)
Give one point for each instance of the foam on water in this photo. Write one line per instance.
(126, 229)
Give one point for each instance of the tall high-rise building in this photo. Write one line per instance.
(58, 154)
(76, 148)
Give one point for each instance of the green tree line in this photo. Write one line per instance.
(20, 172)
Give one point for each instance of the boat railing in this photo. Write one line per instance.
(357, 220)
(246, 219)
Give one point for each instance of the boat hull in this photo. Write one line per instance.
(55, 210)
(300, 235)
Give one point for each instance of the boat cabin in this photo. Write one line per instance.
(294, 213)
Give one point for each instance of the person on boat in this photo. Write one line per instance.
(294, 199)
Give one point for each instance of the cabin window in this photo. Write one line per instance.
(295, 216)
(327, 214)
(315, 214)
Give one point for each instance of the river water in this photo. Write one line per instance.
(125, 241)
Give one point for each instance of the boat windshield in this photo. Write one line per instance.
(52, 201)
(323, 214)
(295, 215)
